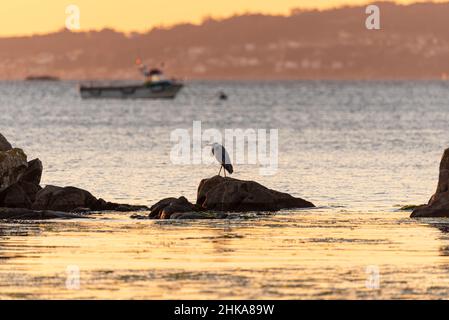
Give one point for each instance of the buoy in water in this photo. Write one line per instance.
(223, 96)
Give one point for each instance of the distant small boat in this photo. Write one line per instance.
(155, 87)
(42, 78)
(152, 90)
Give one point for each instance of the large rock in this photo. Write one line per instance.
(228, 194)
(4, 144)
(13, 164)
(69, 199)
(438, 205)
(219, 195)
(27, 214)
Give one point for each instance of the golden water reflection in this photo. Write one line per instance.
(290, 255)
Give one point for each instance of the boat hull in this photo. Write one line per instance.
(154, 91)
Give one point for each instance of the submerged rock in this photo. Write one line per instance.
(27, 214)
(438, 205)
(199, 215)
(13, 164)
(228, 194)
(103, 205)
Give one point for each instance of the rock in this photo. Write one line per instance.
(19, 195)
(218, 195)
(22, 194)
(167, 207)
(33, 173)
(30, 189)
(13, 164)
(4, 144)
(228, 194)
(63, 199)
(71, 199)
(102, 205)
(15, 197)
(27, 214)
(438, 205)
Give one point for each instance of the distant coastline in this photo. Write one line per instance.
(331, 44)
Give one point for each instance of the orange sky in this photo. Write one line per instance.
(24, 17)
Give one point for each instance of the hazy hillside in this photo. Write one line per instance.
(413, 43)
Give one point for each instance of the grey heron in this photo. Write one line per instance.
(223, 158)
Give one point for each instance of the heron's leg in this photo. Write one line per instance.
(221, 167)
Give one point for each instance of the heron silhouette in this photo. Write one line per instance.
(223, 158)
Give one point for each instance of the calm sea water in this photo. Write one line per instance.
(358, 150)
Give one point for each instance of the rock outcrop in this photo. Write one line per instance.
(13, 164)
(228, 194)
(19, 179)
(20, 189)
(438, 205)
(219, 196)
